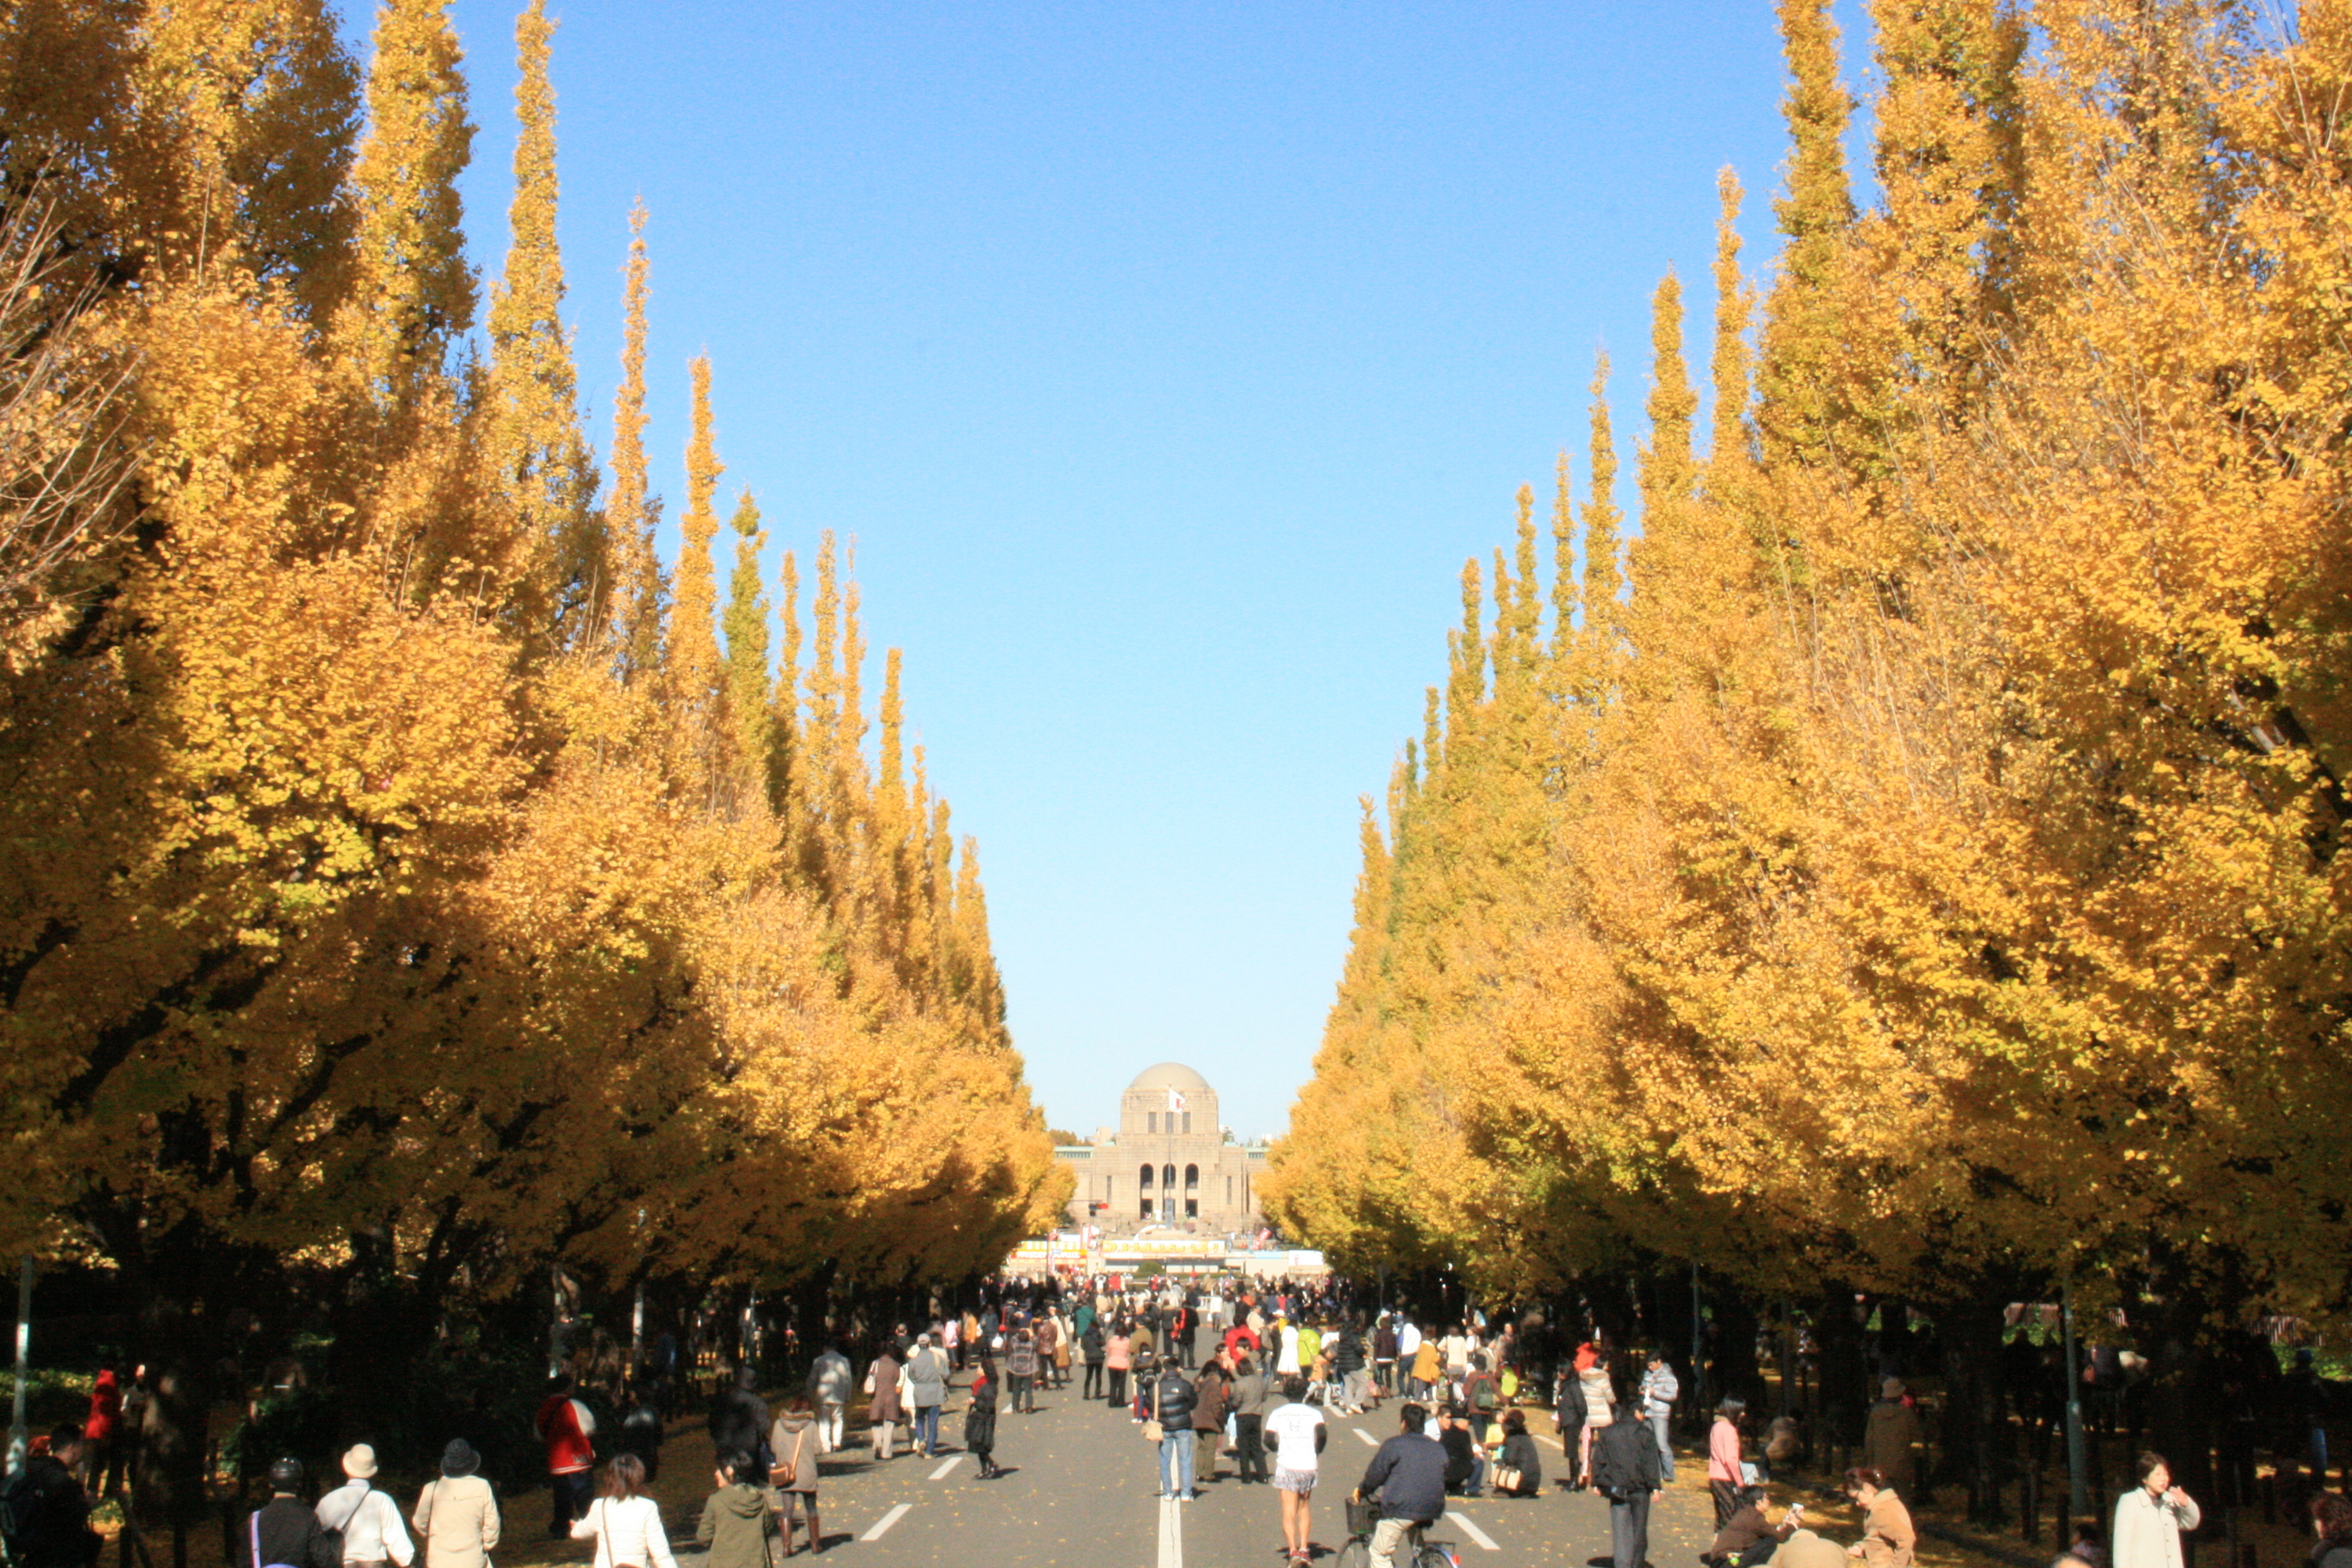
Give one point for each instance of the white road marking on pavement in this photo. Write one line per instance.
(1553, 1441)
(887, 1521)
(951, 1464)
(1171, 1533)
(1369, 1441)
(1476, 1534)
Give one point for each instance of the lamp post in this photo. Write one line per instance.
(2078, 1496)
(19, 1434)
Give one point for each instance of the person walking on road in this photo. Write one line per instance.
(793, 1471)
(1298, 1432)
(1171, 1406)
(1408, 1476)
(884, 1407)
(1118, 1355)
(1250, 1392)
(1021, 1371)
(1091, 1347)
(1210, 1397)
(927, 1391)
(1626, 1471)
(48, 1512)
(979, 1416)
(828, 1392)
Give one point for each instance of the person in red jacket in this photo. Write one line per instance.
(568, 1430)
(100, 1431)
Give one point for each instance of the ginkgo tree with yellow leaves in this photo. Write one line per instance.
(1938, 893)
(405, 898)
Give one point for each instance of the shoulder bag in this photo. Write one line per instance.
(1153, 1431)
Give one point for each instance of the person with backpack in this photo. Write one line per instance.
(456, 1517)
(283, 1533)
(44, 1512)
(1626, 1471)
(367, 1519)
(1481, 1390)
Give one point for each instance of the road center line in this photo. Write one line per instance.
(1553, 1441)
(1473, 1532)
(952, 1462)
(1171, 1533)
(1369, 1441)
(885, 1522)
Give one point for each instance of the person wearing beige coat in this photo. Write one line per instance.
(456, 1517)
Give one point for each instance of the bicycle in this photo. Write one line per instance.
(1364, 1517)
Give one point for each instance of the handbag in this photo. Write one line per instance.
(1153, 1431)
(1507, 1478)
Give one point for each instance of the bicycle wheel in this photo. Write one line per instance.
(1357, 1554)
(1431, 1557)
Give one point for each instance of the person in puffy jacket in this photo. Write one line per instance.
(979, 1418)
(1171, 1406)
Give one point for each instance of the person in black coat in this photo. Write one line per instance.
(1519, 1453)
(979, 1418)
(1570, 1415)
(50, 1512)
(739, 1423)
(285, 1532)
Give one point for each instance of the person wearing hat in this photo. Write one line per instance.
(456, 1516)
(283, 1533)
(372, 1534)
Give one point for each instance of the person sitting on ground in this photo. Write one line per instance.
(1408, 1476)
(1748, 1537)
(1465, 1465)
(1887, 1536)
(1519, 1454)
(739, 1517)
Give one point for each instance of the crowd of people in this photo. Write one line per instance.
(1215, 1369)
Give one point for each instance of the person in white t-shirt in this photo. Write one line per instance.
(1296, 1431)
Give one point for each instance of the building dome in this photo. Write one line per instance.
(1170, 1075)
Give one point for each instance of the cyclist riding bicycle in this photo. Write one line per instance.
(1408, 1475)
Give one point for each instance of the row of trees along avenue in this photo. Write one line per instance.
(407, 889)
(1922, 877)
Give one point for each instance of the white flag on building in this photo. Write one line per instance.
(1175, 1100)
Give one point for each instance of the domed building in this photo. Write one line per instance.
(1168, 1163)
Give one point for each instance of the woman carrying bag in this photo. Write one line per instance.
(456, 1517)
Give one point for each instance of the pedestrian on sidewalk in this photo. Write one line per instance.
(283, 1530)
(47, 1511)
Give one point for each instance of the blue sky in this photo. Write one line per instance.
(1165, 361)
